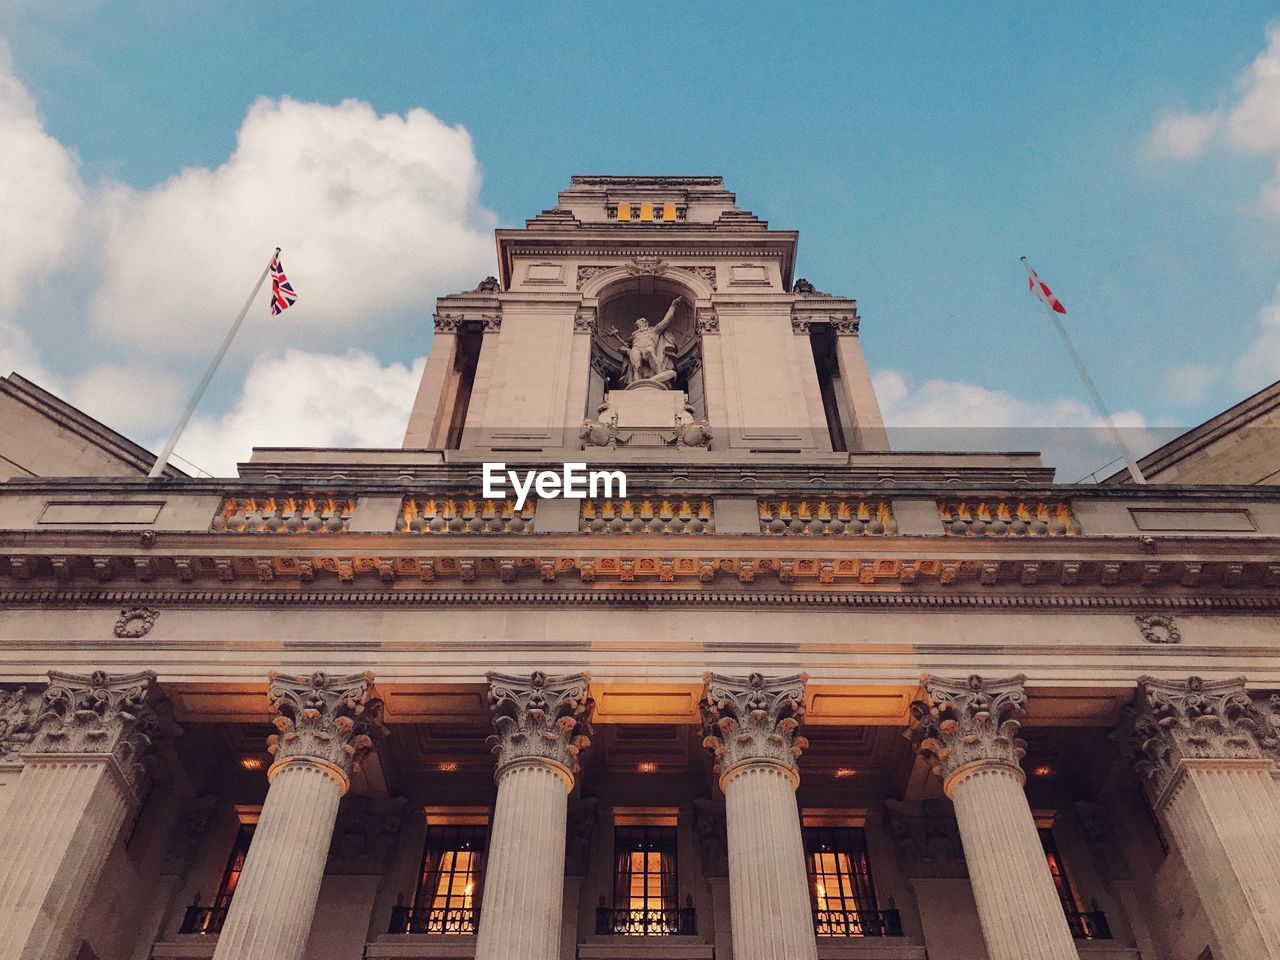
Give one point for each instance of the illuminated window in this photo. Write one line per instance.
(448, 895)
(841, 887)
(644, 887)
(206, 920)
(1085, 925)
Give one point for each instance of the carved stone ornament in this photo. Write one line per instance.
(325, 719)
(579, 833)
(540, 718)
(487, 285)
(708, 322)
(1193, 719)
(188, 832)
(136, 622)
(754, 719)
(956, 723)
(646, 266)
(17, 711)
(1095, 827)
(116, 715)
(447, 322)
(584, 320)
(706, 273)
(1158, 629)
(364, 835)
(806, 289)
(586, 273)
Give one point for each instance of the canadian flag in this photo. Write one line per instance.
(1042, 291)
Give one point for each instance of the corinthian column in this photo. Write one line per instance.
(968, 731)
(84, 752)
(542, 724)
(324, 725)
(1202, 749)
(751, 725)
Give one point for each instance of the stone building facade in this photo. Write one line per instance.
(793, 695)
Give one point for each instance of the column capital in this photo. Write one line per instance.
(754, 719)
(116, 716)
(958, 725)
(540, 718)
(1173, 721)
(323, 719)
(18, 710)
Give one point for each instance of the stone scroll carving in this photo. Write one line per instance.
(1192, 719)
(115, 715)
(17, 711)
(540, 717)
(754, 718)
(960, 722)
(331, 720)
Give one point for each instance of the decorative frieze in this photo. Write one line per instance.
(1192, 719)
(647, 515)
(1007, 517)
(323, 719)
(463, 514)
(958, 723)
(284, 513)
(111, 715)
(585, 273)
(753, 719)
(827, 516)
(540, 718)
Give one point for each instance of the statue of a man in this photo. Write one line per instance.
(650, 350)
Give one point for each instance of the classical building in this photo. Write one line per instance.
(791, 695)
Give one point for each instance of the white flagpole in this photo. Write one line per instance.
(1132, 464)
(163, 459)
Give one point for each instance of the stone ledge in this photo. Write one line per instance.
(869, 949)
(625, 948)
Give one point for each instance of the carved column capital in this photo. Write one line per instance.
(754, 719)
(1193, 719)
(112, 715)
(958, 725)
(325, 720)
(540, 718)
(18, 710)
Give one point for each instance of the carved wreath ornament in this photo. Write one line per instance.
(135, 622)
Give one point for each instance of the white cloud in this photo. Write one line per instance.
(40, 193)
(1188, 384)
(956, 415)
(147, 399)
(1259, 365)
(1182, 136)
(307, 400)
(374, 213)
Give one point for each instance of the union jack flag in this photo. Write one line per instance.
(282, 295)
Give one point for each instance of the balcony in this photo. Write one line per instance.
(455, 921)
(203, 920)
(1088, 925)
(625, 922)
(857, 923)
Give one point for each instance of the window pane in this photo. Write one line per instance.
(449, 884)
(841, 888)
(644, 881)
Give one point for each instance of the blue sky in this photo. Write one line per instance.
(918, 151)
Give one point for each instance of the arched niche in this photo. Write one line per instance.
(621, 298)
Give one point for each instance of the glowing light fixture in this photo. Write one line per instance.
(1043, 770)
(647, 766)
(447, 766)
(251, 763)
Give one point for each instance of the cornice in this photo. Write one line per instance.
(620, 597)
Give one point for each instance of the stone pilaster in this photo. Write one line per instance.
(541, 724)
(1206, 756)
(751, 727)
(85, 746)
(324, 726)
(968, 730)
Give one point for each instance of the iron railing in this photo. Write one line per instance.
(456, 921)
(1088, 925)
(201, 919)
(625, 922)
(857, 923)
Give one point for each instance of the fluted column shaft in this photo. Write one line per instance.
(768, 883)
(968, 731)
(58, 831)
(524, 890)
(1018, 906)
(275, 900)
(324, 725)
(751, 726)
(1206, 754)
(1225, 819)
(541, 726)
